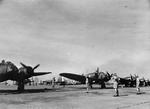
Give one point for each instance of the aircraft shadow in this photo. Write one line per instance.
(6, 92)
(96, 93)
(92, 88)
(123, 95)
(133, 92)
(141, 93)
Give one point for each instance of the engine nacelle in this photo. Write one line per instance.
(23, 74)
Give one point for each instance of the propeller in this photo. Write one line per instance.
(30, 70)
(26, 72)
(108, 74)
(23, 64)
(131, 77)
(36, 66)
(97, 70)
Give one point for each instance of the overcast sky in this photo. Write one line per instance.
(77, 35)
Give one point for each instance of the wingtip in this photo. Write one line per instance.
(62, 74)
(49, 72)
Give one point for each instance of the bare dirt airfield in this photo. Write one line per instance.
(72, 97)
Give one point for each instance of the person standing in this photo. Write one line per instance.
(115, 80)
(87, 84)
(53, 82)
(3, 62)
(138, 84)
(63, 81)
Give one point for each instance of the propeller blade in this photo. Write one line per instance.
(23, 64)
(108, 73)
(97, 69)
(36, 66)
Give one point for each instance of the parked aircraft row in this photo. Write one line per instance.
(130, 81)
(101, 78)
(9, 71)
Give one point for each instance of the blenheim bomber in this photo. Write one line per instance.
(9, 71)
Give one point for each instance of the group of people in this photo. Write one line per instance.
(115, 80)
(62, 82)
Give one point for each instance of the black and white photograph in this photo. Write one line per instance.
(74, 54)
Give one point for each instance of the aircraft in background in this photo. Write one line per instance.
(130, 81)
(96, 77)
(8, 71)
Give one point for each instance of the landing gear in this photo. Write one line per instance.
(20, 86)
(91, 86)
(126, 85)
(103, 85)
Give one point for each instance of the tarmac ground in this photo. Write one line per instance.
(72, 97)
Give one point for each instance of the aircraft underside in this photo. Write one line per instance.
(102, 85)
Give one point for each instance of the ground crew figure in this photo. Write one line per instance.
(115, 80)
(3, 62)
(53, 82)
(63, 81)
(137, 85)
(87, 84)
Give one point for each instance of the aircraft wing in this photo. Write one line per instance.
(127, 82)
(75, 77)
(40, 73)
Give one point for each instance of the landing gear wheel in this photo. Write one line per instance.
(21, 86)
(103, 85)
(91, 86)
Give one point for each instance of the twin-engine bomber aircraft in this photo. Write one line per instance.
(8, 71)
(130, 81)
(96, 77)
